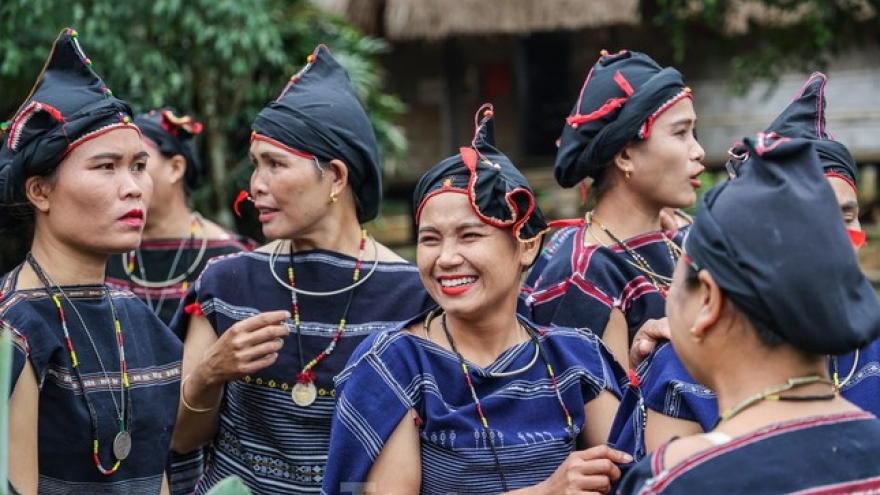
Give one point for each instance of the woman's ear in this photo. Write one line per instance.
(711, 305)
(623, 162)
(337, 172)
(177, 168)
(530, 250)
(37, 189)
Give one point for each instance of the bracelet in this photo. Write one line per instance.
(186, 404)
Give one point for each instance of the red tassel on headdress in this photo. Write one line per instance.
(242, 196)
(194, 309)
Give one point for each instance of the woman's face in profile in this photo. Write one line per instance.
(665, 168)
(288, 189)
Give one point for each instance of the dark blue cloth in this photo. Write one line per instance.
(498, 192)
(669, 389)
(395, 371)
(804, 118)
(69, 103)
(156, 256)
(573, 285)
(275, 446)
(153, 356)
(833, 454)
(773, 241)
(617, 101)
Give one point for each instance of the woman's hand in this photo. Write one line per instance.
(209, 362)
(246, 347)
(590, 471)
(646, 339)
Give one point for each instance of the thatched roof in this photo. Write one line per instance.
(440, 19)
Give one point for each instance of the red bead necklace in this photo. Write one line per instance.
(304, 392)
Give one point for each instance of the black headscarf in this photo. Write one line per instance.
(173, 134)
(499, 194)
(773, 241)
(620, 99)
(68, 105)
(805, 118)
(318, 113)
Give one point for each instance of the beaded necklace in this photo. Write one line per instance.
(838, 385)
(772, 393)
(304, 392)
(129, 260)
(485, 422)
(122, 440)
(660, 282)
(426, 327)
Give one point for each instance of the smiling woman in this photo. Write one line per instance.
(73, 167)
(456, 401)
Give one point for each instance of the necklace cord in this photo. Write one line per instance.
(273, 258)
(124, 415)
(660, 282)
(306, 376)
(168, 282)
(838, 385)
(772, 393)
(533, 335)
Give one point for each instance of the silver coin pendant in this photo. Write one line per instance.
(122, 445)
(304, 394)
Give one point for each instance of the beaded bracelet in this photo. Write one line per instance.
(186, 404)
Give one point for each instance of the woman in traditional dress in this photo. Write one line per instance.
(473, 398)
(176, 244)
(632, 133)
(96, 375)
(768, 287)
(268, 330)
(676, 404)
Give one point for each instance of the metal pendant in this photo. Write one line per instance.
(304, 394)
(122, 445)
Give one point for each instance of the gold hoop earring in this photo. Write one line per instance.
(696, 339)
(333, 197)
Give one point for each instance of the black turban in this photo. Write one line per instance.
(621, 97)
(773, 241)
(318, 113)
(500, 195)
(68, 105)
(805, 118)
(173, 135)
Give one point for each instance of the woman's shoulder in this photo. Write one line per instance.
(384, 254)
(580, 347)
(398, 340)
(394, 350)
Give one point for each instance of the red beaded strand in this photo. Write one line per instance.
(126, 383)
(306, 375)
(485, 422)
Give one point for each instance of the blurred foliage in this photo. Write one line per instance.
(814, 32)
(220, 60)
